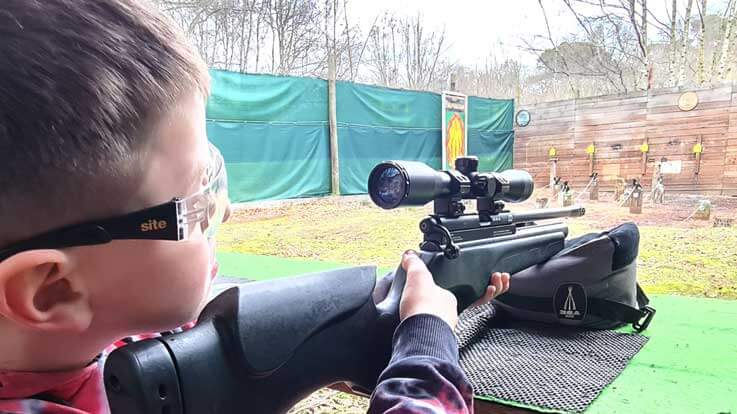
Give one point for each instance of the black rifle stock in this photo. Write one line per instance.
(262, 346)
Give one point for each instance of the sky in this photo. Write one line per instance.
(477, 28)
(474, 28)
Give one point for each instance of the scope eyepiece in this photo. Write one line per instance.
(514, 186)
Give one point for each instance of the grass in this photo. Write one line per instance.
(675, 257)
(353, 233)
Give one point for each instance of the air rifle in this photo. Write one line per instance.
(263, 346)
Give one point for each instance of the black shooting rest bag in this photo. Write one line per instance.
(590, 284)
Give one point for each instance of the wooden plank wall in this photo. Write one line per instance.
(552, 125)
(617, 128)
(619, 125)
(730, 156)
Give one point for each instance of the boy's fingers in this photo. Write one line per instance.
(505, 282)
(490, 294)
(496, 281)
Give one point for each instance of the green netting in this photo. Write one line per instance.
(494, 149)
(385, 107)
(267, 161)
(360, 148)
(266, 98)
(491, 132)
(377, 124)
(490, 114)
(273, 134)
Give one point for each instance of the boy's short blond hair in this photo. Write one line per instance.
(81, 81)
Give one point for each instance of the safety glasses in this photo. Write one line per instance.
(195, 216)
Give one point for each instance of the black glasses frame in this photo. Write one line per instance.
(161, 222)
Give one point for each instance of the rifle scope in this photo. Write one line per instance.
(411, 183)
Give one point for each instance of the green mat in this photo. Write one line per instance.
(688, 366)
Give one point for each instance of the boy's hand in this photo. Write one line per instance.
(422, 295)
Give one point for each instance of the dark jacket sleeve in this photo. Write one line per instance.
(424, 375)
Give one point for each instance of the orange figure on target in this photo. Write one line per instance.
(455, 145)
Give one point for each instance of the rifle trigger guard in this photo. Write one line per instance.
(449, 248)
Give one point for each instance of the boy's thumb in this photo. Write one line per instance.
(417, 273)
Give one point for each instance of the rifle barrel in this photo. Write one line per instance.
(550, 213)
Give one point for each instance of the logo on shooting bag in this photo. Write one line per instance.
(570, 301)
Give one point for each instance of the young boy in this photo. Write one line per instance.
(110, 200)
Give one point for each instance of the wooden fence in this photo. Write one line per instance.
(618, 126)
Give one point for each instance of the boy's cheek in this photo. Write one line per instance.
(182, 282)
(153, 285)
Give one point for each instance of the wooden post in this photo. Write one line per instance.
(553, 171)
(644, 149)
(594, 191)
(591, 150)
(592, 164)
(333, 128)
(636, 198)
(698, 148)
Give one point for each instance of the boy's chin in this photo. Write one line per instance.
(183, 317)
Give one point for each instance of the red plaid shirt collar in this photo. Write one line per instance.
(78, 391)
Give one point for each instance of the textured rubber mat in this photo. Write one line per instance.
(546, 366)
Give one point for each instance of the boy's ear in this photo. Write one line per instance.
(39, 291)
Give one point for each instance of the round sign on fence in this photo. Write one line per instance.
(523, 118)
(688, 101)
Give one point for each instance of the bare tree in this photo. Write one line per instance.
(608, 52)
(422, 52)
(672, 70)
(616, 46)
(642, 40)
(497, 78)
(383, 50)
(561, 56)
(279, 36)
(701, 72)
(684, 44)
(729, 22)
(404, 53)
